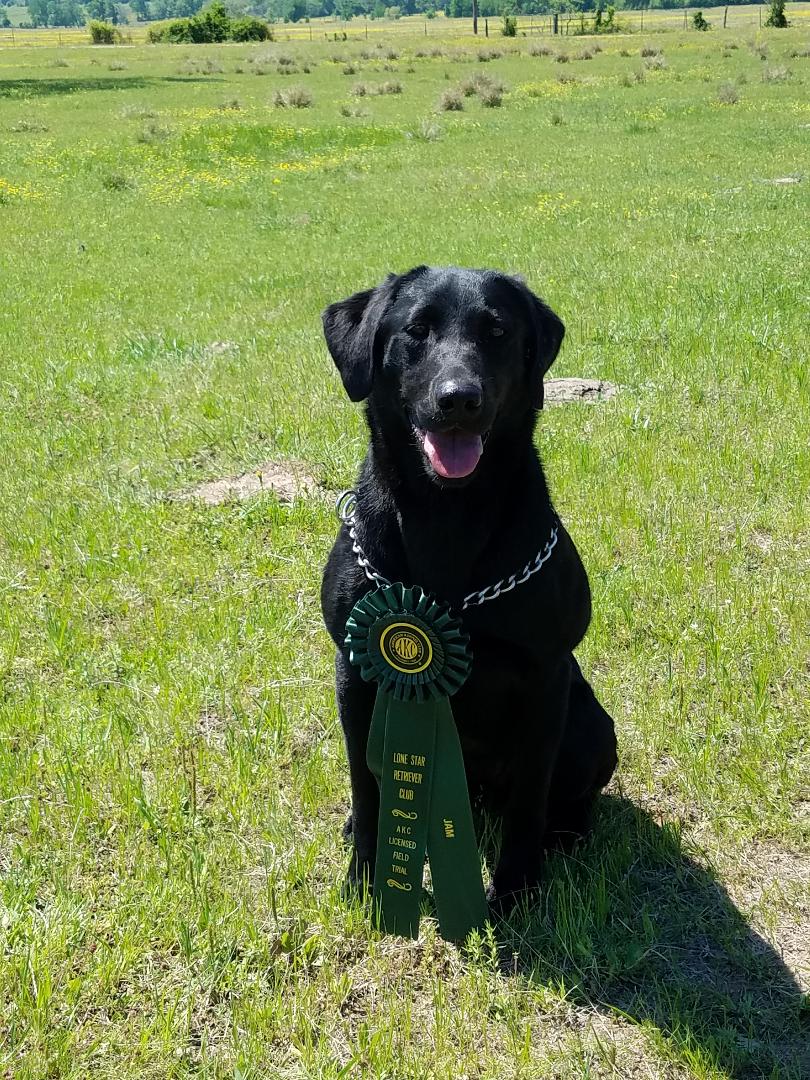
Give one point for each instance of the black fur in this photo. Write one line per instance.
(537, 744)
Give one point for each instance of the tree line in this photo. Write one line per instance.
(78, 12)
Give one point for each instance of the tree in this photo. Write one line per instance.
(776, 16)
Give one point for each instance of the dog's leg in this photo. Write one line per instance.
(585, 764)
(355, 706)
(523, 826)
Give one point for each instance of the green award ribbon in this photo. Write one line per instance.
(418, 654)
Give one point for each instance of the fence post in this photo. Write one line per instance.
(684, 18)
(642, 19)
(555, 23)
(486, 27)
(725, 18)
(425, 27)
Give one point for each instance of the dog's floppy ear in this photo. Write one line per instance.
(546, 337)
(351, 330)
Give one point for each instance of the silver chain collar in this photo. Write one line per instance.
(346, 508)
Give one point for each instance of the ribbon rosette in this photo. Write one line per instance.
(417, 652)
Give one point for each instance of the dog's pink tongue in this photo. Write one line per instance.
(452, 453)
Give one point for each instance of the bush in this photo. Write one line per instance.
(776, 16)
(727, 94)
(699, 22)
(249, 28)
(211, 24)
(539, 50)
(103, 33)
(451, 101)
(509, 27)
(491, 97)
(176, 32)
(776, 74)
(298, 97)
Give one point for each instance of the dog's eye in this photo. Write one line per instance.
(418, 330)
(496, 330)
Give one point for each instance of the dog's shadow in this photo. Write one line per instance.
(633, 926)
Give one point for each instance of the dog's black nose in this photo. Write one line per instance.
(459, 401)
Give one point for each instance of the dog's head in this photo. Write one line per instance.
(447, 358)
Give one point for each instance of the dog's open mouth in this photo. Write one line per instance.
(452, 454)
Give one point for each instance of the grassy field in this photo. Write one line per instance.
(172, 779)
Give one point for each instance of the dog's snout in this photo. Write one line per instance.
(459, 401)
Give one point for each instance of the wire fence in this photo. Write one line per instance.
(734, 17)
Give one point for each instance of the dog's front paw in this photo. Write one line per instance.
(359, 880)
(512, 886)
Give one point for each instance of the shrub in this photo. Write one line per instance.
(392, 87)
(297, 97)
(485, 55)
(352, 110)
(176, 32)
(699, 22)
(624, 52)
(350, 69)
(727, 94)
(60, 61)
(536, 49)
(116, 65)
(103, 33)
(655, 63)
(759, 48)
(249, 28)
(491, 97)
(651, 50)
(211, 24)
(556, 118)
(359, 90)
(230, 104)
(776, 16)
(427, 131)
(451, 101)
(116, 182)
(776, 74)
(152, 133)
(584, 54)
(562, 58)
(802, 53)
(478, 83)
(509, 26)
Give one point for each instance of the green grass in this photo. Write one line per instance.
(172, 779)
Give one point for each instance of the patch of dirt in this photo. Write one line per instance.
(287, 480)
(773, 885)
(784, 180)
(561, 391)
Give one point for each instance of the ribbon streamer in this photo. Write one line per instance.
(418, 654)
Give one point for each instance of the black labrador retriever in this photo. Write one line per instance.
(452, 497)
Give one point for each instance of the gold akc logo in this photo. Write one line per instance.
(406, 648)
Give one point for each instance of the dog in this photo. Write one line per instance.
(452, 497)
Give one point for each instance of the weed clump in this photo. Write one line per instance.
(728, 94)
(297, 97)
(776, 74)
(451, 101)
